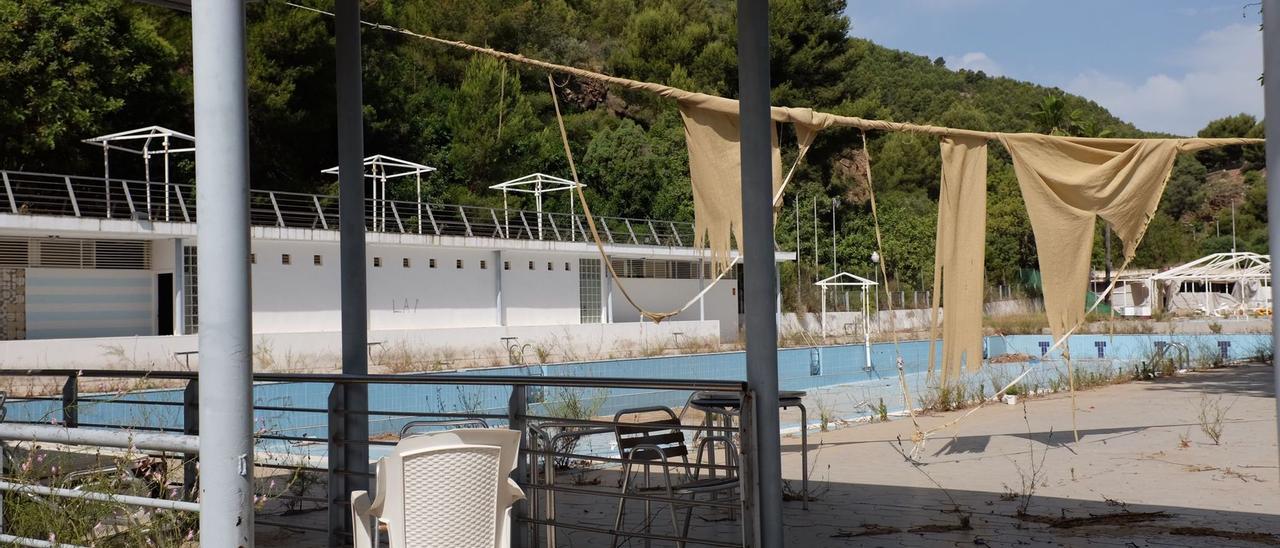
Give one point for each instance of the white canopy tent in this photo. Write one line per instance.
(539, 184)
(1247, 274)
(140, 142)
(845, 279)
(380, 168)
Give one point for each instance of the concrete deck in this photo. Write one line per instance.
(1143, 474)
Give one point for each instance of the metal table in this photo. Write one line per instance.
(729, 405)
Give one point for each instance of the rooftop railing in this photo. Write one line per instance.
(28, 193)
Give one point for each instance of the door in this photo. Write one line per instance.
(164, 304)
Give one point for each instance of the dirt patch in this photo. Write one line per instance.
(1016, 357)
(1262, 538)
(868, 530)
(1118, 518)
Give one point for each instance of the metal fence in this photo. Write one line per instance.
(173, 408)
(30, 193)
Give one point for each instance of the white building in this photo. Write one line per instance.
(84, 258)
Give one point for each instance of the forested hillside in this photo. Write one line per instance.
(72, 70)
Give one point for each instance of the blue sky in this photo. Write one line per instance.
(1165, 65)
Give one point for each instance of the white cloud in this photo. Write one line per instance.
(975, 60)
(1220, 79)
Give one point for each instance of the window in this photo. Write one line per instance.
(530, 265)
(286, 259)
(377, 262)
(253, 258)
(190, 293)
(405, 262)
(317, 260)
(458, 264)
(431, 263)
(550, 267)
(506, 265)
(484, 265)
(566, 266)
(589, 290)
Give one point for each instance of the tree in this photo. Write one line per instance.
(1240, 125)
(73, 70)
(1054, 117)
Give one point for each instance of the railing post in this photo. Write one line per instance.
(128, 196)
(276, 207)
(324, 223)
(339, 526)
(465, 222)
(517, 410)
(71, 193)
(182, 204)
(432, 217)
(71, 402)
(8, 191)
(190, 427)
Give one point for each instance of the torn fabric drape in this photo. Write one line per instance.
(715, 169)
(1065, 183)
(959, 258)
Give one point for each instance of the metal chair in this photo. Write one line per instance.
(660, 443)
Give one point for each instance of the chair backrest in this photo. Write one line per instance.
(659, 426)
(449, 488)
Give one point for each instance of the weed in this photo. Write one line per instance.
(1215, 327)
(1184, 440)
(574, 404)
(826, 414)
(946, 397)
(883, 411)
(1212, 417)
(1032, 476)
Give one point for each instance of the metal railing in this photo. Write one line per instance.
(526, 408)
(27, 193)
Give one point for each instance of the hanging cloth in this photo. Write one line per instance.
(960, 255)
(1066, 183)
(715, 170)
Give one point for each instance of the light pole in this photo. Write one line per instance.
(875, 271)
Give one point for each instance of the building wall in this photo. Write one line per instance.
(68, 303)
(665, 294)
(539, 296)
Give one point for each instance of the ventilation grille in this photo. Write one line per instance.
(659, 268)
(74, 253)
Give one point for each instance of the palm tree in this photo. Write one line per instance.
(1054, 118)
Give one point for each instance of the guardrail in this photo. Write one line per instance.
(526, 409)
(28, 193)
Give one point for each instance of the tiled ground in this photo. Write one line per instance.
(1142, 474)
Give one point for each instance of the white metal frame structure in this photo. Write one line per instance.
(121, 141)
(539, 184)
(380, 168)
(845, 279)
(1233, 267)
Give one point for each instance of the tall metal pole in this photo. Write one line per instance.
(225, 343)
(1271, 65)
(835, 264)
(757, 216)
(351, 222)
(799, 288)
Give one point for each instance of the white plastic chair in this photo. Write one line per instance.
(449, 489)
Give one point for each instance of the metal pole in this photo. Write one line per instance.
(835, 268)
(824, 312)
(106, 176)
(351, 215)
(757, 215)
(1271, 65)
(166, 178)
(799, 288)
(225, 342)
(1233, 225)
(866, 328)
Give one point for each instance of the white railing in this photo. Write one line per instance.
(27, 193)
